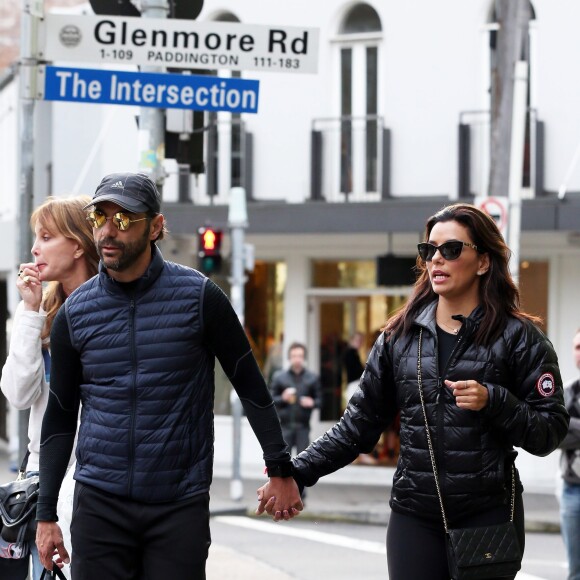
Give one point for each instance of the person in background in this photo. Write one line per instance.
(137, 345)
(64, 257)
(296, 393)
(490, 380)
(570, 468)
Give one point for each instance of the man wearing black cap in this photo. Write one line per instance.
(136, 345)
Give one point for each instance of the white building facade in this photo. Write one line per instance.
(343, 166)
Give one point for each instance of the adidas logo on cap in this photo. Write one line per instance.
(118, 184)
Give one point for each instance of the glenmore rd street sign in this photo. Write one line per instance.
(178, 43)
(160, 90)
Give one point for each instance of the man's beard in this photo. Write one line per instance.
(130, 251)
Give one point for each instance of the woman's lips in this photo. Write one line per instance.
(439, 276)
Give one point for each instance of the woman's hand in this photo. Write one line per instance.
(29, 286)
(280, 498)
(469, 394)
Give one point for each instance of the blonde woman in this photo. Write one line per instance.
(64, 256)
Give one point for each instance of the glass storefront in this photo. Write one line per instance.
(534, 279)
(345, 300)
(264, 324)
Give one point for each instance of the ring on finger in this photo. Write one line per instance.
(26, 279)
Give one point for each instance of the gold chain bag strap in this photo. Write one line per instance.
(481, 552)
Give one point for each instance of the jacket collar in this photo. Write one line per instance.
(149, 277)
(426, 318)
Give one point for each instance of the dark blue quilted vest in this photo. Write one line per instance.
(148, 384)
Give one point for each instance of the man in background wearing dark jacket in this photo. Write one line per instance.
(136, 345)
(296, 392)
(570, 465)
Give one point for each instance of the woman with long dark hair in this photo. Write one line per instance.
(463, 363)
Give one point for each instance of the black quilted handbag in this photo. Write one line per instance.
(18, 507)
(481, 552)
(484, 552)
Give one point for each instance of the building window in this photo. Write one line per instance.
(360, 33)
(344, 274)
(225, 142)
(361, 18)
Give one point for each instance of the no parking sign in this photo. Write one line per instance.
(497, 208)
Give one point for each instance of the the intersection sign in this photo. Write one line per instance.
(160, 90)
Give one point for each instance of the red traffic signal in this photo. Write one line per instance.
(209, 250)
(211, 240)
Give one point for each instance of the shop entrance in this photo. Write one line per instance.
(334, 316)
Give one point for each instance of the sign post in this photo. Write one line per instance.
(237, 222)
(31, 11)
(152, 120)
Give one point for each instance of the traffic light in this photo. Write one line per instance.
(209, 245)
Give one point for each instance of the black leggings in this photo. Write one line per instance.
(416, 546)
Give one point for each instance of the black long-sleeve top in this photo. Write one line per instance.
(224, 336)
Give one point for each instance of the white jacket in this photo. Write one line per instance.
(25, 386)
(23, 379)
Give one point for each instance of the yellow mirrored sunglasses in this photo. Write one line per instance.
(98, 219)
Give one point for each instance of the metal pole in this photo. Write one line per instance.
(27, 90)
(151, 120)
(513, 18)
(237, 222)
(516, 164)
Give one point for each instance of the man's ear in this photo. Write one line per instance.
(156, 227)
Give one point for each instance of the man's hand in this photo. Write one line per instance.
(50, 543)
(289, 395)
(280, 498)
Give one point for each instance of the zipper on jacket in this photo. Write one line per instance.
(441, 406)
(133, 396)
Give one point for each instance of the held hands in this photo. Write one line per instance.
(280, 498)
(50, 543)
(29, 286)
(469, 394)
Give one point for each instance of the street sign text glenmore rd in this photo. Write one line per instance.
(178, 43)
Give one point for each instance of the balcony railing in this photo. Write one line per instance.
(474, 155)
(228, 162)
(350, 159)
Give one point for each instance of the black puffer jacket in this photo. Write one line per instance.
(474, 450)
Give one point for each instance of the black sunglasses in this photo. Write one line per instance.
(449, 250)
